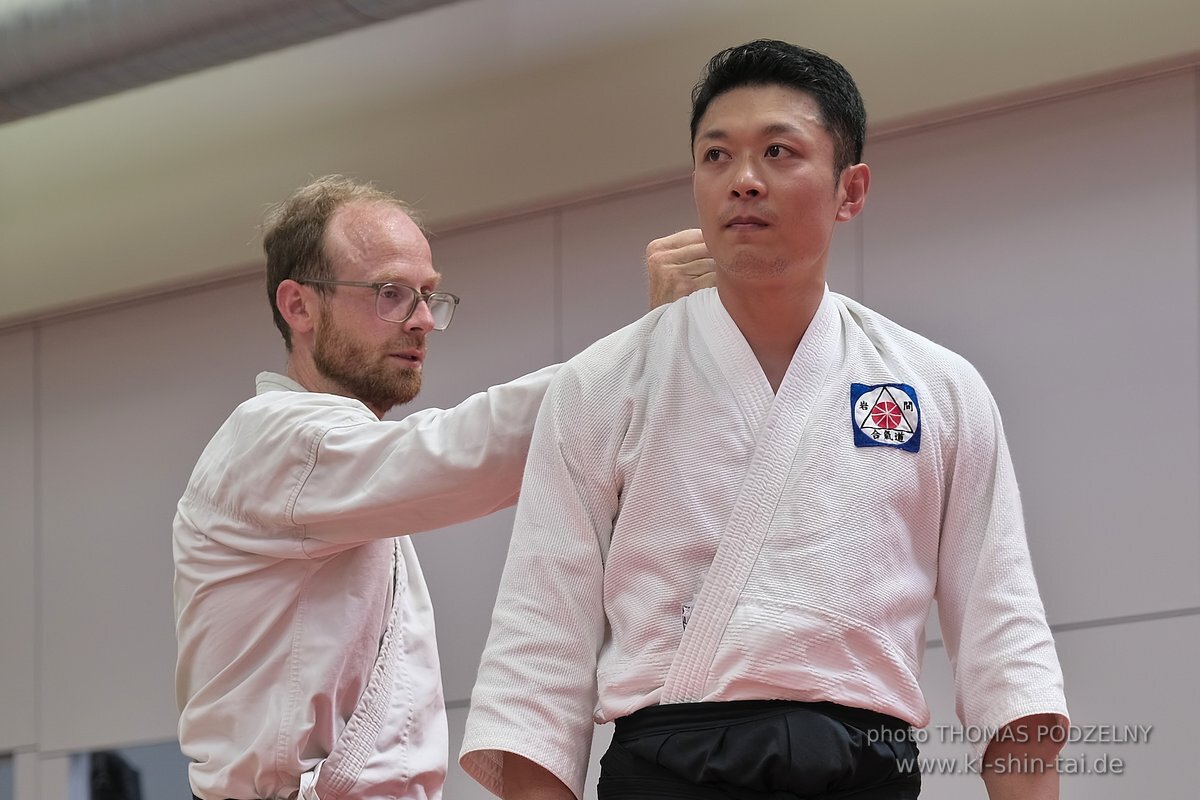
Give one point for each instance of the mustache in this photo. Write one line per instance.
(408, 343)
(742, 212)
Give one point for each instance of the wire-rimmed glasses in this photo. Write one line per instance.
(396, 302)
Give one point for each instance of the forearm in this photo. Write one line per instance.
(527, 780)
(1021, 761)
(1017, 786)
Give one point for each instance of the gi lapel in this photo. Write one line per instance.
(765, 477)
(336, 775)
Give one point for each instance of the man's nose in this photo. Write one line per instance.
(421, 318)
(747, 182)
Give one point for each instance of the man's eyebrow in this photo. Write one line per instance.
(714, 134)
(433, 281)
(776, 128)
(773, 129)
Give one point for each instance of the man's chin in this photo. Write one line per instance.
(752, 265)
(408, 391)
(385, 397)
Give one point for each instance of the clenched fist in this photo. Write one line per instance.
(678, 265)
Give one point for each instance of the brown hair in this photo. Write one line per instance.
(294, 233)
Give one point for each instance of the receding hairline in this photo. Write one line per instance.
(339, 190)
(355, 238)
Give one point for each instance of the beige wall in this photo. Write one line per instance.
(1053, 245)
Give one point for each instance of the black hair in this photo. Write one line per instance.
(769, 62)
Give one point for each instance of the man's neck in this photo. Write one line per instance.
(302, 370)
(773, 319)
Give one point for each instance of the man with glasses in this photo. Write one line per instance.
(307, 661)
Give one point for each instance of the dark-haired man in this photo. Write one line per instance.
(738, 510)
(307, 660)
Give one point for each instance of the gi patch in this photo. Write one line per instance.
(885, 415)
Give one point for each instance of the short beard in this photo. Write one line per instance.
(748, 266)
(350, 365)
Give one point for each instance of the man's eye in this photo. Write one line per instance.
(712, 155)
(389, 292)
(775, 151)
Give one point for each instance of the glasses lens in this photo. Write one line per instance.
(441, 308)
(394, 302)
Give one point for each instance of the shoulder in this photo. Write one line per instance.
(941, 369)
(625, 356)
(280, 426)
(265, 447)
(280, 401)
(302, 406)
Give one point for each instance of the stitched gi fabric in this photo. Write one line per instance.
(667, 479)
(307, 658)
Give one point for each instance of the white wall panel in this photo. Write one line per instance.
(462, 566)
(17, 565)
(604, 258)
(844, 272)
(1135, 674)
(1055, 247)
(504, 328)
(129, 398)
(459, 785)
(1118, 675)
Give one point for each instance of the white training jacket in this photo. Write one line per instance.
(307, 659)
(801, 536)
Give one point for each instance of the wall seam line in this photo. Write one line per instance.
(38, 538)
(1196, 189)
(1106, 622)
(559, 317)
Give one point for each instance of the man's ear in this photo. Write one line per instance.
(297, 305)
(856, 179)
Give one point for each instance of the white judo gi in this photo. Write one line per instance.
(685, 534)
(307, 657)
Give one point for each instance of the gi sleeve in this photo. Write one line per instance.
(372, 479)
(535, 694)
(993, 622)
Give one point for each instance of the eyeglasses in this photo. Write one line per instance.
(396, 302)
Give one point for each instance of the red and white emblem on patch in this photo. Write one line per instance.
(886, 415)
